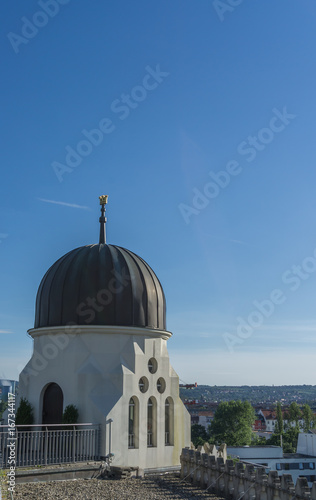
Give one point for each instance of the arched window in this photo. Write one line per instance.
(133, 423)
(151, 422)
(169, 422)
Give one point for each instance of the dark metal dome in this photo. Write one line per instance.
(100, 285)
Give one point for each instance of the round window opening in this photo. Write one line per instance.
(152, 365)
(161, 385)
(143, 384)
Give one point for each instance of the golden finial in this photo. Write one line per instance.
(103, 199)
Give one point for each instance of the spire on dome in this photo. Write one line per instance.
(103, 201)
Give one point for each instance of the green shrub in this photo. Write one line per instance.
(70, 415)
(24, 413)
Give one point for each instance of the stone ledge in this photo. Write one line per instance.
(57, 472)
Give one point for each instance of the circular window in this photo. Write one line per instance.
(143, 384)
(152, 365)
(161, 385)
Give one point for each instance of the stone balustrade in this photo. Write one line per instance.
(209, 468)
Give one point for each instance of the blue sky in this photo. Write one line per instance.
(175, 92)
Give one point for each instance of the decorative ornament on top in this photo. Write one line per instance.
(103, 199)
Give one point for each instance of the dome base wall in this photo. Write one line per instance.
(98, 370)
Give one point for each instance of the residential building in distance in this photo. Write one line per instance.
(299, 464)
(203, 418)
(270, 420)
(259, 425)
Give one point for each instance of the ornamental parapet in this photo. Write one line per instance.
(210, 469)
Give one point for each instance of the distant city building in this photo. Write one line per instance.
(299, 464)
(203, 418)
(6, 387)
(259, 425)
(270, 420)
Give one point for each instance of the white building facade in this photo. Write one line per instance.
(270, 420)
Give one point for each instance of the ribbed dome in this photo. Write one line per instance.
(100, 285)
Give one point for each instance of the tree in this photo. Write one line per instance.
(258, 440)
(290, 440)
(279, 429)
(70, 415)
(199, 435)
(274, 440)
(308, 418)
(24, 413)
(232, 423)
(294, 413)
(286, 419)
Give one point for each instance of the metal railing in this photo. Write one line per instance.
(45, 445)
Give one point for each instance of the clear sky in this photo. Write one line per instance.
(198, 120)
